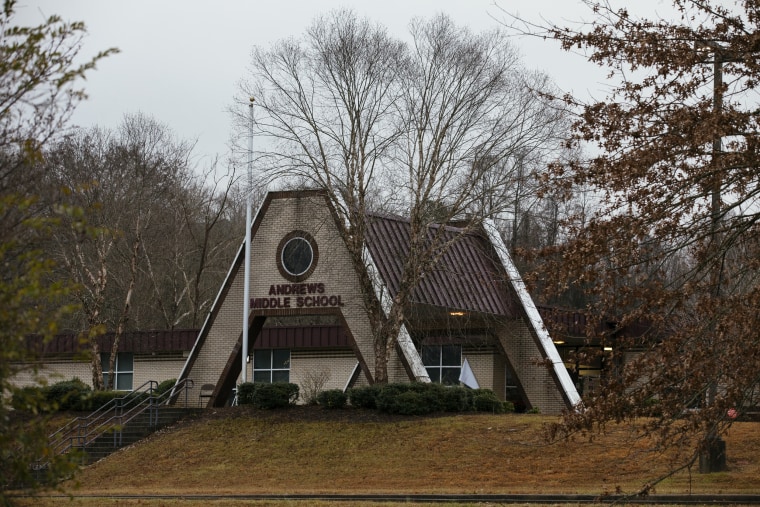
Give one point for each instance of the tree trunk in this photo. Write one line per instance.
(95, 366)
(124, 317)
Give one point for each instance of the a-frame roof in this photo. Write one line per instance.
(466, 277)
(475, 273)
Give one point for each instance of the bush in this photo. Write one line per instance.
(364, 397)
(265, 396)
(332, 398)
(418, 398)
(386, 398)
(457, 399)
(164, 386)
(431, 396)
(97, 399)
(410, 403)
(245, 393)
(410, 399)
(484, 400)
(68, 395)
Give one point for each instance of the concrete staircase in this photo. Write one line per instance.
(122, 421)
(133, 431)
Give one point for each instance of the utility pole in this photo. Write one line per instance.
(713, 459)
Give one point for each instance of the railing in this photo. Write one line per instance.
(115, 414)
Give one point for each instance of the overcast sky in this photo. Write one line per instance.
(181, 60)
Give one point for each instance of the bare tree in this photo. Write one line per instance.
(674, 244)
(377, 122)
(190, 250)
(122, 181)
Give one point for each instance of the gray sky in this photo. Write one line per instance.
(181, 60)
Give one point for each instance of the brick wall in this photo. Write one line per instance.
(55, 370)
(482, 365)
(307, 213)
(336, 366)
(523, 354)
(146, 368)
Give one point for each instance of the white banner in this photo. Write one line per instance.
(467, 377)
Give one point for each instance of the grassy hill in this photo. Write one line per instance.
(313, 450)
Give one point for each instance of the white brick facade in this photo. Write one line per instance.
(145, 368)
(528, 364)
(286, 212)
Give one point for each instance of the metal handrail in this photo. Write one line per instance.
(82, 431)
(79, 429)
(185, 385)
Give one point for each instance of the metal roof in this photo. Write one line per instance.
(140, 342)
(467, 277)
(299, 337)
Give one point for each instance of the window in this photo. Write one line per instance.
(511, 389)
(271, 365)
(297, 256)
(123, 370)
(443, 363)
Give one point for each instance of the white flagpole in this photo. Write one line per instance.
(247, 280)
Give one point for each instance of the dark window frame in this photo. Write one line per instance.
(120, 373)
(440, 363)
(269, 368)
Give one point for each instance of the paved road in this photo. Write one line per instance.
(430, 498)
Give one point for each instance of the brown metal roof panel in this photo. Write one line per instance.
(302, 337)
(465, 280)
(465, 277)
(462, 263)
(393, 246)
(392, 250)
(296, 340)
(133, 341)
(476, 277)
(493, 291)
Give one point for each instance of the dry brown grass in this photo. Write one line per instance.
(304, 450)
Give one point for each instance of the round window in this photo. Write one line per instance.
(297, 256)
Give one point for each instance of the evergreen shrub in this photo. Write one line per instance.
(74, 395)
(266, 396)
(386, 398)
(412, 402)
(98, 399)
(457, 399)
(68, 395)
(30, 399)
(164, 386)
(485, 400)
(332, 398)
(431, 396)
(415, 398)
(364, 397)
